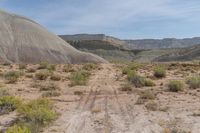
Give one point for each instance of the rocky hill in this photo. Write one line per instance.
(23, 40)
(162, 43)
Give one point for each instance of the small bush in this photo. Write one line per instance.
(55, 77)
(175, 86)
(43, 65)
(149, 83)
(78, 93)
(22, 66)
(79, 78)
(152, 106)
(31, 70)
(131, 67)
(160, 72)
(48, 87)
(126, 87)
(18, 129)
(38, 112)
(12, 76)
(136, 80)
(8, 104)
(89, 66)
(51, 67)
(194, 82)
(68, 68)
(148, 95)
(42, 75)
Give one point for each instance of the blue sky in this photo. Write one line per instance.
(126, 19)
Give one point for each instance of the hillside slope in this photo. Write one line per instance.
(23, 40)
(186, 54)
(162, 43)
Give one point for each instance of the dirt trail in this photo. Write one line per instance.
(102, 109)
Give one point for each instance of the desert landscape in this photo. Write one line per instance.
(113, 97)
(99, 66)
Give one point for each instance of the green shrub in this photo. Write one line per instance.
(194, 82)
(43, 65)
(31, 70)
(38, 112)
(79, 78)
(89, 66)
(48, 87)
(8, 104)
(175, 86)
(18, 129)
(159, 72)
(130, 67)
(12, 76)
(136, 80)
(51, 67)
(148, 95)
(149, 83)
(55, 77)
(68, 68)
(22, 66)
(42, 75)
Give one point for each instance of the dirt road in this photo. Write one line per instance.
(103, 109)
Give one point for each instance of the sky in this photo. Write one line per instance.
(125, 19)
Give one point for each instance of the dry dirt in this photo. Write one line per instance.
(102, 108)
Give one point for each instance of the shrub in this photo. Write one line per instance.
(130, 67)
(89, 66)
(51, 67)
(12, 76)
(79, 78)
(8, 104)
(37, 112)
(149, 83)
(148, 95)
(55, 77)
(194, 82)
(175, 86)
(43, 65)
(48, 87)
(31, 70)
(152, 106)
(159, 72)
(42, 75)
(22, 66)
(18, 129)
(68, 68)
(125, 87)
(136, 80)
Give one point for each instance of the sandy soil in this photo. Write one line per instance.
(102, 108)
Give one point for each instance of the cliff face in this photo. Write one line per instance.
(23, 40)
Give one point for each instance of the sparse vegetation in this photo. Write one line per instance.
(8, 103)
(194, 82)
(149, 83)
(48, 87)
(51, 94)
(18, 129)
(31, 70)
(37, 114)
(43, 75)
(159, 72)
(79, 78)
(22, 66)
(126, 87)
(55, 77)
(152, 106)
(89, 66)
(175, 85)
(43, 65)
(12, 76)
(68, 68)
